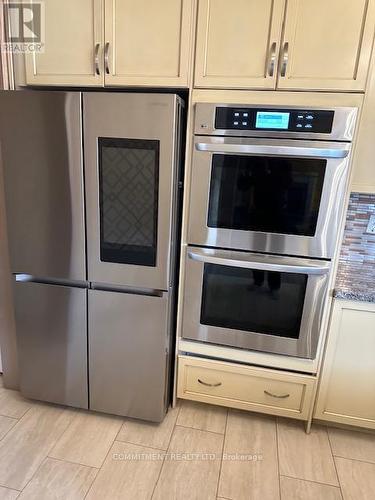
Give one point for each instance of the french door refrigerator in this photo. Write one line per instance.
(92, 207)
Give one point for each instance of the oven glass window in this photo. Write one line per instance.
(273, 195)
(129, 184)
(251, 300)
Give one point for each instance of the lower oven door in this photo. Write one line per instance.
(253, 301)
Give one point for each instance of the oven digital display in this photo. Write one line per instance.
(272, 120)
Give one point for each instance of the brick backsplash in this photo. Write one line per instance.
(357, 259)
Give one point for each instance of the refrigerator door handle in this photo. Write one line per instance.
(150, 292)
(29, 278)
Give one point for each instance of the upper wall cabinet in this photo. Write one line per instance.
(73, 40)
(327, 44)
(237, 43)
(147, 43)
(141, 42)
(363, 179)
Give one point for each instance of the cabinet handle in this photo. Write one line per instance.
(285, 58)
(284, 396)
(96, 59)
(209, 385)
(272, 59)
(106, 57)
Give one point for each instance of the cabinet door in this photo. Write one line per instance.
(238, 43)
(347, 390)
(147, 42)
(363, 180)
(73, 45)
(327, 45)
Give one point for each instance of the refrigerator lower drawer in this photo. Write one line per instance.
(52, 342)
(127, 354)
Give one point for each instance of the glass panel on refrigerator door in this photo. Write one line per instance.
(266, 194)
(128, 192)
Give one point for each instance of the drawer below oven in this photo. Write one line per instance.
(246, 388)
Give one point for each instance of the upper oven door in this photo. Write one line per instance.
(252, 301)
(130, 173)
(267, 195)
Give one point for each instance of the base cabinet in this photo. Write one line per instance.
(347, 388)
(245, 387)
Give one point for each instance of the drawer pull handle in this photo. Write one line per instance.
(284, 396)
(209, 385)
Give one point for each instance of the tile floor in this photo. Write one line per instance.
(199, 452)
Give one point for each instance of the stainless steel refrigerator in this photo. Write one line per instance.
(92, 189)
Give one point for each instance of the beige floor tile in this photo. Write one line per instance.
(149, 434)
(123, 478)
(88, 439)
(191, 469)
(305, 456)
(202, 416)
(27, 444)
(352, 444)
(7, 494)
(6, 423)
(59, 480)
(254, 474)
(357, 479)
(297, 489)
(12, 404)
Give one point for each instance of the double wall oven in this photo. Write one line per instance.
(267, 197)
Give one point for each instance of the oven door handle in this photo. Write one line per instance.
(255, 149)
(262, 266)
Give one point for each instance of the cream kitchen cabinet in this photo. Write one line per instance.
(245, 387)
(323, 46)
(327, 45)
(148, 43)
(114, 42)
(347, 388)
(74, 32)
(237, 43)
(363, 179)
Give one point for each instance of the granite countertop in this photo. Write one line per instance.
(355, 281)
(356, 273)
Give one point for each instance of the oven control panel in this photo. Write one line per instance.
(288, 120)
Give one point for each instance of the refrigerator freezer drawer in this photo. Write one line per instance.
(127, 354)
(52, 342)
